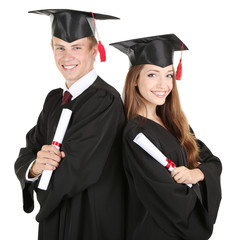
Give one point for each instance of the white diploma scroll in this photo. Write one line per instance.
(153, 151)
(58, 139)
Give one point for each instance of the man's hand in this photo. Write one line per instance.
(48, 158)
(187, 176)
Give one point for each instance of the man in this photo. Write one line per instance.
(85, 196)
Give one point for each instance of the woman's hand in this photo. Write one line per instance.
(48, 158)
(187, 176)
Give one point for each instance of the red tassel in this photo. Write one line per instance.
(100, 45)
(101, 50)
(179, 70)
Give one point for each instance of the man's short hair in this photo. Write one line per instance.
(92, 39)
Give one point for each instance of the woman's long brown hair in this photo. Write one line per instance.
(170, 112)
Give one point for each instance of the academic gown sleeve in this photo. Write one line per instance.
(210, 187)
(96, 120)
(35, 138)
(174, 207)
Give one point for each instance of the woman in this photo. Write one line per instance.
(161, 204)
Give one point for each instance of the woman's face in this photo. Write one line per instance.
(154, 84)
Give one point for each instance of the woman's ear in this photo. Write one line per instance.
(136, 82)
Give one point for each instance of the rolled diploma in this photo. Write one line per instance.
(58, 139)
(153, 151)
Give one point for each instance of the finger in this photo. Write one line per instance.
(48, 167)
(43, 167)
(48, 155)
(46, 148)
(174, 172)
(49, 161)
(182, 179)
(177, 171)
(45, 164)
(177, 177)
(181, 175)
(62, 154)
(52, 149)
(52, 163)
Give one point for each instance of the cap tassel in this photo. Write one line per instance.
(101, 48)
(102, 52)
(179, 68)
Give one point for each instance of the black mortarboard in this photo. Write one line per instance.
(70, 25)
(156, 50)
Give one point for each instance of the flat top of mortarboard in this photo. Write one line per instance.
(49, 12)
(124, 46)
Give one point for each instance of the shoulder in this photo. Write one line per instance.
(103, 95)
(53, 96)
(55, 93)
(104, 87)
(100, 99)
(132, 128)
(141, 125)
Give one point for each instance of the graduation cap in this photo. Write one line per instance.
(156, 50)
(70, 25)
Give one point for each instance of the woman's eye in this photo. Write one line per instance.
(170, 75)
(151, 75)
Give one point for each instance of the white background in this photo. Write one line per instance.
(28, 73)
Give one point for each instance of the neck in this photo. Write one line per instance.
(150, 113)
(69, 82)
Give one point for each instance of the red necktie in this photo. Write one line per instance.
(66, 98)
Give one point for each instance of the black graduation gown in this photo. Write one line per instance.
(159, 208)
(85, 197)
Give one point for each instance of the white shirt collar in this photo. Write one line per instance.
(82, 84)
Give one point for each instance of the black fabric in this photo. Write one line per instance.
(85, 197)
(156, 50)
(159, 208)
(70, 25)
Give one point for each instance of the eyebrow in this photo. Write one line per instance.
(154, 70)
(78, 45)
(75, 45)
(58, 45)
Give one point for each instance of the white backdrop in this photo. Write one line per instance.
(29, 73)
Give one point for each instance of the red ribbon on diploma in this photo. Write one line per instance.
(170, 164)
(56, 143)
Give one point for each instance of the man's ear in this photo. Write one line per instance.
(52, 44)
(94, 51)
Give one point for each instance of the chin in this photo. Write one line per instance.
(69, 78)
(160, 103)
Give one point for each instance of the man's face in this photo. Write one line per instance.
(75, 59)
